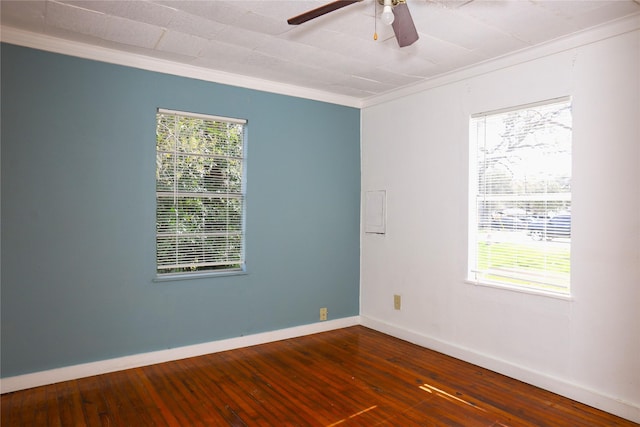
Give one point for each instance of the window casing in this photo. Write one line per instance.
(520, 197)
(200, 193)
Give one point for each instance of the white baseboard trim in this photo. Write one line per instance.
(573, 391)
(52, 376)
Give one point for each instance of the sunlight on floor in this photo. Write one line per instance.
(448, 396)
(352, 416)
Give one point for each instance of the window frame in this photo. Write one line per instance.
(212, 271)
(473, 240)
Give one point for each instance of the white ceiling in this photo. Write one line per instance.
(335, 53)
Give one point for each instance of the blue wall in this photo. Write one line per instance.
(78, 214)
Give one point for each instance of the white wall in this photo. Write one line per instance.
(416, 148)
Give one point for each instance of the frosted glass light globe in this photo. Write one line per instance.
(387, 15)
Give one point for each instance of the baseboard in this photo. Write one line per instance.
(573, 391)
(576, 392)
(52, 376)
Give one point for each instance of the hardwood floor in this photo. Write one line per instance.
(348, 377)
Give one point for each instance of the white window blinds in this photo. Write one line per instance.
(520, 189)
(199, 193)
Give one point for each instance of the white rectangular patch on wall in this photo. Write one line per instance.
(375, 211)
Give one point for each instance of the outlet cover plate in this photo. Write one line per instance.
(397, 302)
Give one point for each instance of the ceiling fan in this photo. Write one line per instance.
(395, 12)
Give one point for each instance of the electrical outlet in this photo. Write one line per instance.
(397, 302)
(323, 313)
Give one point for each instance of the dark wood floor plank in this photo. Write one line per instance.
(348, 377)
(328, 397)
(209, 400)
(51, 408)
(234, 405)
(9, 407)
(30, 405)
(134, 399)
(437, 369)
(284, 396)
(172, 395)
(155, 398)
(70, 404)
(376, 362)
(209, 405)
(92, 393)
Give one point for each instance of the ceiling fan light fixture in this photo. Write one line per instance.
(387, 16)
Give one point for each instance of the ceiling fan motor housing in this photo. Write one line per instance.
(393, 2)
(401, 20)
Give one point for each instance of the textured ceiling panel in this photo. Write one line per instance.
(335, 53)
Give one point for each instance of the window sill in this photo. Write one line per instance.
(521, 289)
(204, 275)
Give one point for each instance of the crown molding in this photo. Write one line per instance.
(592, 35)
(98, 53)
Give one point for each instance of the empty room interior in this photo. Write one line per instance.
(297, 189)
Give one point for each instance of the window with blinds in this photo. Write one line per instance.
(520, 197)
(199, 193)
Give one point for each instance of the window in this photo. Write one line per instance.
(520, 197)
(199, 193)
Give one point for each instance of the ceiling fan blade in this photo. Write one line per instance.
(314, 13)
(403, 25)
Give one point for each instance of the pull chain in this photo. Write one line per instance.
(375, 20)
